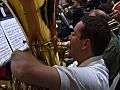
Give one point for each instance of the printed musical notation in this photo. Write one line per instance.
(5, 50)
(11, 39)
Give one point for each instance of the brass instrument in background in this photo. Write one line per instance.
(115, 16)
(116, 9)
(114, 25)
(62, 48)
(115, 22)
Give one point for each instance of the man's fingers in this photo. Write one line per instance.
(16, 51)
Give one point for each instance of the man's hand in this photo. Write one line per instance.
(22, 61)
(28, 69)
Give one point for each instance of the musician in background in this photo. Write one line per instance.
(107, 8)
(76, 14)
(112, 52)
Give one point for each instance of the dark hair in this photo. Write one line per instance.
(98, 31)
(78, 1)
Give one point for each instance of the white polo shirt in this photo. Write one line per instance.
(92, 74)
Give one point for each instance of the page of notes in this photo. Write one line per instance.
(5, 50)
(14, 34)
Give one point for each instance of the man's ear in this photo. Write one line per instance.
(86, 43)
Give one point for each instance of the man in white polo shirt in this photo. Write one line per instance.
(88, 42)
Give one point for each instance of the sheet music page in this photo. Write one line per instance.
(14, 34)
(5, 50)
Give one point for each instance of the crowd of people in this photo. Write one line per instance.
(73, 10)
(92, 44)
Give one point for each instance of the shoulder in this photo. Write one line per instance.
(85, 78)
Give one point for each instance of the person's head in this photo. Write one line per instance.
(97, 12)
(77, 3)
(91, 37)
(100, 13)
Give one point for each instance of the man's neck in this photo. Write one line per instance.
(83, 57)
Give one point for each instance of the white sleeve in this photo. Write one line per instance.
(76, 78)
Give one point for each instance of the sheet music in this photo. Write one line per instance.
(14, 34)
(5, 50)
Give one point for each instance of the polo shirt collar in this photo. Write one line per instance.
(90, 60)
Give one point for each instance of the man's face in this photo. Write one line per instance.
(76, 41)
(75, 4)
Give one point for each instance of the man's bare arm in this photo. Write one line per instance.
(26, 68)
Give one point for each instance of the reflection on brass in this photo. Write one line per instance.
(114, 25)
(5, 85)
